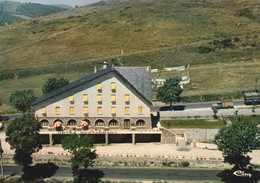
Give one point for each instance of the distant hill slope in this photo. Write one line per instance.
(9, 8)
(63, 6)
(159, 33)
(7, 18)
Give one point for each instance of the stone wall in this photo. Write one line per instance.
(168, 137)
(198, 134)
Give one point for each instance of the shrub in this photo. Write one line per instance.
(223, 44)
(167, 164)
(185, 164)
(204, 49)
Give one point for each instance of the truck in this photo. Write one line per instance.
(223, 104)
(252, 98)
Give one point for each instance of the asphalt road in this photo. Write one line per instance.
(197, 105)
(137, 174)
(155, 174)
(209, 104)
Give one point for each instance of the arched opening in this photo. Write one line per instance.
(140, 123)
(72, 123)
(44, 123)
(113, 123)
(58, 124)
(85, 121)
(100, 123)
(85, 124)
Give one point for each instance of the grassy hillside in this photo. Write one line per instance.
(9, 11)
(176, 32)
(219, 39)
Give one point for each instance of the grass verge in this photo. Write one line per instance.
(192, 123)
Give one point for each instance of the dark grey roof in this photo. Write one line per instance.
(138, 77)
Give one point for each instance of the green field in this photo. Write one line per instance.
(203, 123)
(219, 39)
(192, 123)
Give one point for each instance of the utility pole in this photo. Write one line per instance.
(256, 79)
(1, 154)
(188, 70)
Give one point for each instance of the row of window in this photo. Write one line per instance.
(112, 86)
(99, 110)
(99, 98)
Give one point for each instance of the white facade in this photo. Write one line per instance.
(70, 105)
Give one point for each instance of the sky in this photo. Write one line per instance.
(72, 3)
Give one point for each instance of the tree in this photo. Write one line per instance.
(53, 83)
(22, 100)
(82, 152)
(23, 135)
(1, 10)
(170, 92)
(236, 140)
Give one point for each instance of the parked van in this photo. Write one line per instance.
(252, 98)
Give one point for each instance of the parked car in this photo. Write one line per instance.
(173, 108)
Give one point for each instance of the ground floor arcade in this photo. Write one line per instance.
(105, 137)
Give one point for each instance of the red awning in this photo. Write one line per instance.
(84, 123)
(57, 124)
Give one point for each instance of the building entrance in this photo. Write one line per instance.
(127, 124)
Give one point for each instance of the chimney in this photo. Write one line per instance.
(104, 65)
(95, 69)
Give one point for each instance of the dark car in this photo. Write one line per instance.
(173, 108)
